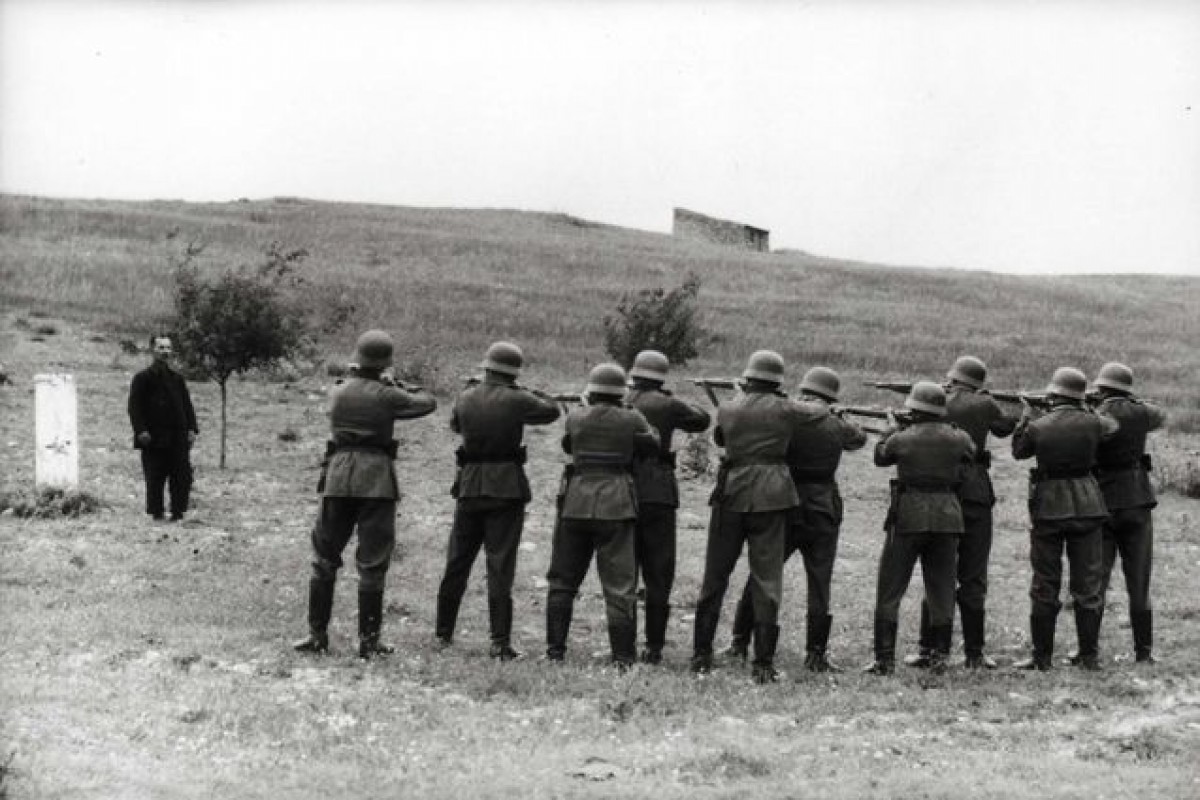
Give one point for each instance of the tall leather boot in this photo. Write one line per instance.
(657, 615)
(320, 609)
(1072, 658)
(558, 625)
(500, 621)
(766, 638)
(816, 658)
(622, 641)
(973, 637)
(1041, 632)
(370, 620)
(885, 648)
(702, 638)
(925, 644)
(743, 626)
(1142, 623)
(447, 618)
(939, 657)
(1087, 629)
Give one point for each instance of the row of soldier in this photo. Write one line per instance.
(776, 493)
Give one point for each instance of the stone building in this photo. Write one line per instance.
(691, 225)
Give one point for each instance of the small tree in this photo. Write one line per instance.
(655, 319)
(238, 321)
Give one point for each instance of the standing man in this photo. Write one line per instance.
(599, 513)
(924, 521)
(1122, 468)
(813, 458)
(491, 491)
(164, 429)
(751, 504)
(1068, 512)
(658, 491)
(360, 493)
(970, 408)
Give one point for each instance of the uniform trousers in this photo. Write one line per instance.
(338, 519)
(974, 551)
(1130, 533)
(654, 548)
(611, 541)
(901, 551)
(167, 467)
(494, 525)
(1083, 542)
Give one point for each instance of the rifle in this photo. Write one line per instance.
(1035, 399)
(900, 387)
(873, 412)
(710, 384)
(565, 399)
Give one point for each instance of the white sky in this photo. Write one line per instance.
(1006, 135)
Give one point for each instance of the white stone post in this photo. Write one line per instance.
(56, 463)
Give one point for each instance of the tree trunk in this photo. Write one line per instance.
(224, 397)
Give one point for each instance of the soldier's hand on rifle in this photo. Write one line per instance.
(191, 438)
(892, 421)
(143, 438)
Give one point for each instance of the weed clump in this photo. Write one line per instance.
(49, 504)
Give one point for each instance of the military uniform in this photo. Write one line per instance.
(658, 499)
(1121, 469)
(360, 493)
(978, 414)
(813, 526)
(924, 523)
(752, 503)
(1067, 511)
(598, 516)
(161, 406)
(491, 490)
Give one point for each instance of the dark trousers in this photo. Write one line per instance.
(901, 551)
(337, 520)
(167, 467)
(1082, 540)
(654, 548)
(496, 526)
(974, 551)
(611, 541)
(765, 535)
(1130, 533)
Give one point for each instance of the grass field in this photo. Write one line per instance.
(148, 660)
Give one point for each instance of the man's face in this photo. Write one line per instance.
(163, 349)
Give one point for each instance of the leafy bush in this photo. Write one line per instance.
(655, 319)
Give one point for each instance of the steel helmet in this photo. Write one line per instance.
(651, 365)
(822, 381)
(765, 365)
(505, 358)
(374, 350)
(969, 370)
(1068, 382)
(608, 379)
(927, 396)
(1117, 376)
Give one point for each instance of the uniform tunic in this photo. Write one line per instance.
(598, 515)
(491, 489)
(658, 498)
(925, 518)
(360, 481)
(1066, 506)
(1128, 495)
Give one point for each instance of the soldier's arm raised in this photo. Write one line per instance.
(689, 417)
(410, 405)
(540, 408)
(645, 438)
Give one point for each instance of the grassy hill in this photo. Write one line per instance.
(449, 281)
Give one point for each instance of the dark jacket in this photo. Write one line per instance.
(813, 457)
(930, 457)
(1120, 468)
(361, 414)
(977, 414)
(603, 440)
(159, 403)
(1065, 441)
(654, 475)
(756, 429)
(491, 418)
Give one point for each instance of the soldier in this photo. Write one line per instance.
(813, 458)
(491, 491)
(658, 491)
(753, 499)
(360, 492)
(924, 521)
(970, 407)
(1067, 512)
(164, 429)
(599, 513)
(1122, 467)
